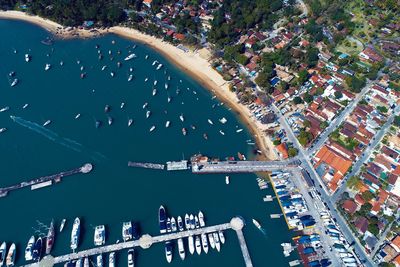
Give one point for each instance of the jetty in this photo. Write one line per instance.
(177, 165)
(146, 241)
(146, 165)
(45, 180)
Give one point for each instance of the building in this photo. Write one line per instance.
(349, 206)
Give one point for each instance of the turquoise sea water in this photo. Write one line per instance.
(113, 192)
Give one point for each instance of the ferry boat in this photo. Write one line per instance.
(2, 130)
(27, 58)
(181, 118)
(126, 231)
(181, 249)
(37, 249)
(28, 249)
(191, 244)
(110, 120)
(256, 223)
(130, 77)
(99, 260)
(86, 262)
(210, 122)
(196, 222)
(4, 109)
(14, 82)
(50, 238)
(184, 132)
(204, 242)
(211, 240)
(187, 222)
(159, 66)
(201, 219)
(221, 237)
(11, 255)
(227, 179)
(152, 128)
(148, 113)
(198, 245)
(46, 122)
(77, 116)
(192, 223)
(47, 66)
(3, 251)
(130, 121)
(162, 219)
(129, 57)
(174, 228)
(99, 235)
(78, 263)
(167, 124)
(169, 229)
(216, 240)
(168, 251)
(76, 230)
(62, 224)
(180, 223)
(111, 259)
(131, 257)
(154, 91)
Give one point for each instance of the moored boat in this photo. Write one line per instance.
(174, 228)
(192, 222)
(198, 245)
(148, 113)
(28, 249)
(75, 234)
(162, 219)
(14, 82)
(47, 66)
(154, 91)
(201, 219)
(181, 249)
(99, 260)
(181, 118)
(204, 242)
(187, 222)
(196, 222)
(211, 240)
(111, 259)
(216, 240)
(86, 262)
(131, 257)
(11, 255)
(50, 238)
(127, 231)
(3, 251)
(2, 130)
(27, 58)
(37, 249)
(62, 224)
(191, 244)
(109, 120)
(169, 229)
(168, 251)
(78, 263)
(99, 235)
(180, 223)
(221, 237)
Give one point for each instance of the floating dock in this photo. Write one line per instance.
(275, 216)
(177, 165)
(146, 165)
(45, 180)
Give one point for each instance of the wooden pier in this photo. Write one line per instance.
(146, 241)
(45, 180)
(146, 165)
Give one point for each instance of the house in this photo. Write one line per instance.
(282, 150)
(147, 3)
(371, 55)
(349, 206)
(361, 224)
(388, 253)
(396, 243)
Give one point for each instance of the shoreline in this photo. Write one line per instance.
(200, 69)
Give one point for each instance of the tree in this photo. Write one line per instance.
(303, 76)
(307, 123)
(367, 196)
(262, 80)
(382, 109)
(365, 209)
(397, 121)
(297, 100)
(323, 125)
(355, 83)
(353, 182)
(277, 142)
(308, 98)
(373, 229)
(292, 152)
(338, 94)
(312, 56)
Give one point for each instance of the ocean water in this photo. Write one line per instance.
(113, 192)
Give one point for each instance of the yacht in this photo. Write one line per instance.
(77, 116)
(198, 245)
(127, 231)
(152, 128)
(204, 242)
(166, 85)
(131, 257)
(4, 109)
(110, 120)
(107, 108)
(130, 121)
(169, 99)
(146, 79)
(130, 77)
(181, 118)
(216, 240)
(146, 57)
(211, 240)
(154, 91)
(167, 124)
(14, 82)
(256, 223)
(191, 222)
(221, 132)
(205, 136)
(169, 229)
(104, 67)
(239, 130)
(99, 260)
(37, 249)
(191, 244)
(78, 263)
(46, 122)
(27, 58)
(201, 219)
(148, 113)
(112, 74)
(111, 259)
(180, 223)
(168, 251)
(122, 105)
(61, 63)
(159, 66)
(162, 219)
(196, 222)
(28, 249)
(11, 255)
(86, 262)
(76, 230)
(47, 66)
(25, 106)
(187, 222)
(3, 251)
(223, 120)
(129, 57)
(227, 179)
(181, 249)
(210, 122)
(221, 237)
(155, 82)
(174, 227)
(62, 224)
(154, 62)
(50, 238)
(2, 130)
(184, 132)
(99, 235)
(145, 105)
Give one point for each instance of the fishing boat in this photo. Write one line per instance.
(211, 240)
(46, 122)
(180, 223)
(2, 130)
(239, 130)
(14, 82)
(204, 242)
(99, 260)
(3, 251)
(216, 240)
(169, 229)
(78, 263)
(196, 222)
(50, 238)
(152, 128)
(110, 120)
(130, 56)
(27, 58)
(86, 262)
(159, 66)
(11, 255)
(181, 118)
(154, 91)
(130, 121)
(227, 179)
(187, 222)
(28, 249)
(192, 223)
(25, 106)
(47, 66)
(184, 132)
(210, 122)
(181, 249)
(167, 124)
(111, 259)
(198, 245)
(99, 235)
(126, 231)
(62, 224)
(162, 219)
(201, 219)
(4, 109)
(221, 237)
(191, 244)
(168, 251)
(131, 257)
(37, 249)
(221, 132)
(76, 230)
(130, 77)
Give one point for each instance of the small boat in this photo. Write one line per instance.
(146, 79)
(159, 66)
(223, 120)
(61, 63)
(184, 132)
(211, 240)
(14, 82)
(4, 109)
(130, 77)
(97, 124)
(187, 222)
(154, 62)
(86, 262)
(47, 66)
(27, 58)
(181, 118)
(169, 229)
(111, 259)
(191, 244)
(104, 67)
(78, 263)
(148, 113)
(3, 251)
(130, 56)
(192, 222)
(180, 224)
(131, 257)
(146, 57)
(112, 74)
(204, 242)
(130, 69)
(130, 121)
(77, 116)
(196, 222)
(11, 255)
(162, 219)
(75, 234)
(110, 120)
(154, 91)
(127, 231)
(256, 223)
(221, 132)
(37, 249)
(152, 128)
(119, 64)
(239, 130)
(198, 245)
(221, 237)
(205, 136)
(201, 219)
(99, 235)
(167, 124)
(25, 106)
(50, 238)
(2, 130)
(107, 108)
(83, 75)
(181, 249)
(227, 179)
(210, 122)
(216, 240)
(174, 227)
(169, 99)
(168, 251)
(46, 122)
(166, 85)
(99, 260)
(28, 249)
(155, 82)
(62, 224)
(193, 126)
(145, 105)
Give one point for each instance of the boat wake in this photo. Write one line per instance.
(66, 142)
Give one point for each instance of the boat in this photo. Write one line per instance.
(221, 237)
(83, 75)
(166, 85)
(146, 79)
(110, 120)
(130, 56)
(201, 219)
(28, 249)
(181, 249)
(112, 74)
(169, 78)
(27, 58)
(122, 105)
(99, 235)
(184, 132)
(146, 57)
(155, 82)
(2, 130)
(107, 108)
(180, 223)
(46, 122)
(193, 126)
(61, 63)
(98, 124)
(174, 228)
(227, 179)
(169, 99)
(162, 219)
(78, 263)
(256, 223)
(239, 130)
(25, 106)
(3, 251)
(37, 249)
(62, 224)
(145, 105)
(154, 62)
(14, 82)
(131, 257)
(104, 67)
(50, 238)
(130, 69)
(204, 242)
(205, 136)
(130, 77)
(192, 223)
(152, 128)
(216, 240)
(130, 121)
(223, 120)
(126, 231)
(11, 255)
(210, 122)
(168, 251)
(4, 109)
(167, 124)
(47, 66)
(111, 259)
(135, 231)
(187, 222)
(99, 260)
(221, 132)
(198, 245)
(169, 229)
(181, 118)
(148, 113)
(196, 222)
(86, 262)
(76, 230)
(211, 240)
(154, 91)
(159, 66)
(191, 244)
(77, 116)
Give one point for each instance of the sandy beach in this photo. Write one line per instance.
(190, 62)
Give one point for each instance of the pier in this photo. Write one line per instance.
(177, 165)
(146, 241)
(45, 180)
(146, 165)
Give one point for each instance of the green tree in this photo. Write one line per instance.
(397, 121)
(382, 109)
(292, 152)
(303, 76)
(277, 142)
(353, 182)
(308, 98)
(338, 94)
(367, 196)
(297, 100)
(365, 209)
(323, 125)
(373, 229)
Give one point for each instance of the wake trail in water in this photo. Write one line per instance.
(66, 142)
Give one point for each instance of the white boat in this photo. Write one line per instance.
(152, 128)
(204, 242)
(25, 106)
(181, 118)
(2, 130)
(221, 132)
(127, 231)
(130, 69)
(111, 259)
(166, 85)
(112, 74)
(192, 223)
(201, 219)
(174, 227)
(223, 120)
(27, 57)
(146, 79)
(47, 66)
(198, 245)
(191, 244)
(167, 124)
(11, 255)
(46, 122)
(211, 240)
(82, 68)
(130, 56)
(169, 78)
(130, 77)
(187, 222)
(221, 237)
(196, 222)
(148, 113)
(154, 91)
(155, 82)
(168, 251)
(99, 260)
(4, 109)
(146, 57)
(159, 66)
(14, 82)
(75, 234)
(217, 243)
(169, 99)
(131, 257)
(86, 262)
(154, 62)
(145, 105)
(210, 122)
(61, 63)
(62, 224)
(256, 223)
(130, 121)
(181, 249)
(28, 249)
(180, 223)
(239, 130)
(78, 263)
(99, 235)
(110, 120)
(104, 67)
(122, 105)
(227, 179)
(77, 116)
(3, 251)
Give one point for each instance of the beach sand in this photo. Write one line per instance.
(190, 62)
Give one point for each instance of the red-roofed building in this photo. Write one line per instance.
(349, 206)
(361, 224)
(370, 54)
(282, 150)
